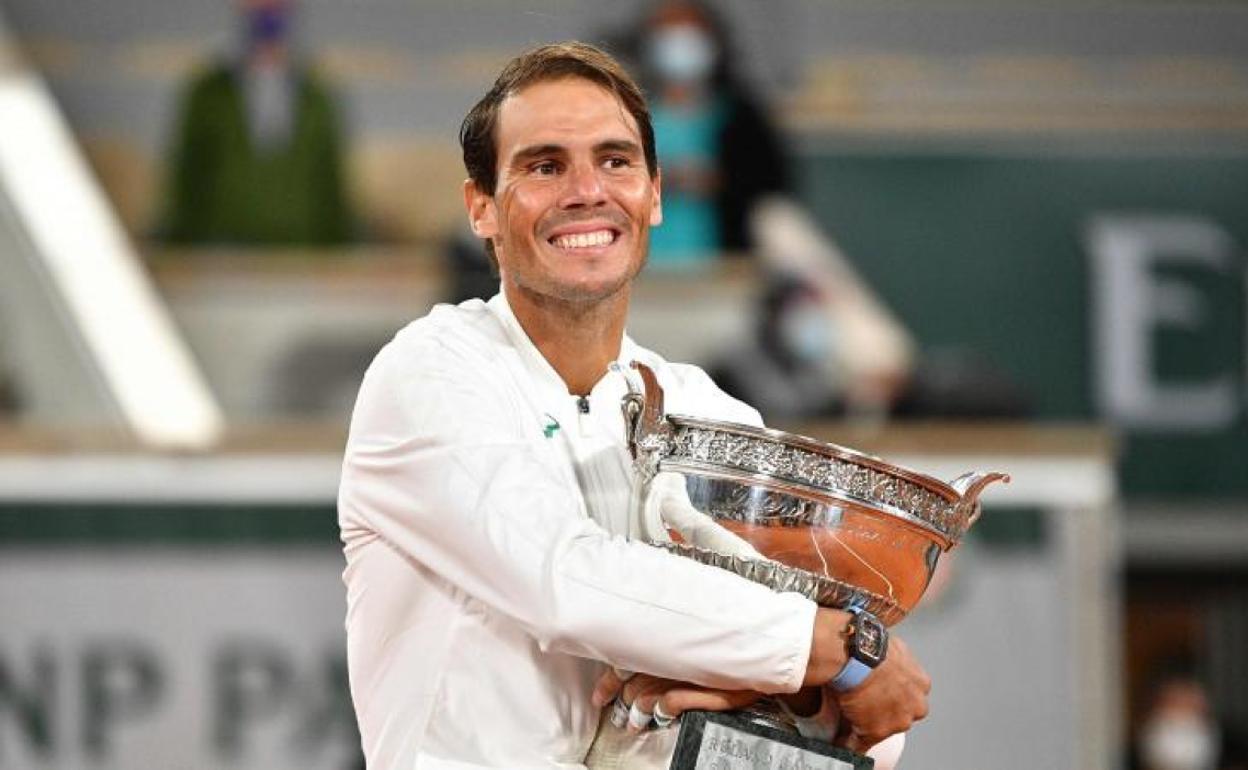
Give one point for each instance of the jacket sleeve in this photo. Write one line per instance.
(439, 465)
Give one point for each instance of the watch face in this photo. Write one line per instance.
(870, 640)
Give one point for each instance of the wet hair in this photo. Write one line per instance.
(555, 61)
(548, 62)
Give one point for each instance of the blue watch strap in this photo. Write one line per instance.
(853, 674)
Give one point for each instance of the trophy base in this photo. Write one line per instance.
(717, 740)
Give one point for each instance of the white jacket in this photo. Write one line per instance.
(485, 519)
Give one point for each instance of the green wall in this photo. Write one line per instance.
(985, 251)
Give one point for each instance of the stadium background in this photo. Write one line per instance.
(975, 160)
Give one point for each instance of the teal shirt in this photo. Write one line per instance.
(689, 237)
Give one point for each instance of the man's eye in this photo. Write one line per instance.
(545, 168)
(618, 161)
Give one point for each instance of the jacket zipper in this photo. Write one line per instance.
(582, 415)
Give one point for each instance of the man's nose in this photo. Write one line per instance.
(584, 186)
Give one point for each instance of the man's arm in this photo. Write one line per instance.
(888, 702)
(827, 647)
(891, 699)
(442, 469)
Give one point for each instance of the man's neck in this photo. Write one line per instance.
(579, 340)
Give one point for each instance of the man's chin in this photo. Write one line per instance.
(590, 292)
(583, 290)
(594, 288)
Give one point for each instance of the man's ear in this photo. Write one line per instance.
(482, 215)
(656, 207)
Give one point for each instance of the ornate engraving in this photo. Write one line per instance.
(827, 592)
(726, 748)
(651, 449)
(836, 476)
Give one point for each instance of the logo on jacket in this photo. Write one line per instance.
(552, 425)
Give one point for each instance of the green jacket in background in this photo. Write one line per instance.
(226, 191)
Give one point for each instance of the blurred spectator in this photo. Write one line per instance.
(718, 150)
(9, 401)
(256, 158)
(726, 189)
(784, 371)
(8, 398)
(1180, 730)
(790, 368)
(470, 270)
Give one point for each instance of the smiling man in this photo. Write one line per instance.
(494, 576)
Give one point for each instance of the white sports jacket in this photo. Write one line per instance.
(485, 519)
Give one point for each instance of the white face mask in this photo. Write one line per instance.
(681, 53)
(1179, 743)
(807, 332)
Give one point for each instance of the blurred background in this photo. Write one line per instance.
(985, 234)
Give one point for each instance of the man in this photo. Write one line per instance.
(485, 490)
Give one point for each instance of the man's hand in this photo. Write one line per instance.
(644, 694)
(891, 699)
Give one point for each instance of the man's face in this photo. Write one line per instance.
(571, 214)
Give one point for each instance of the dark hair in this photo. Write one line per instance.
(548, 62)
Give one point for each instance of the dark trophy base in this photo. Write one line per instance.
(711, 740)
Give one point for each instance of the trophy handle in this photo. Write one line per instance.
(970, 486)
(643, 411)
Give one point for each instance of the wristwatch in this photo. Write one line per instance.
(866, 642)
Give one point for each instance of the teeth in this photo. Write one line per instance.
(584, 240)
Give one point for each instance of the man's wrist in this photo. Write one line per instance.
(853, 674)
(866, 644)
(827, 648)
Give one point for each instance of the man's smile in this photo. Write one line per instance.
(592, 239)
(574, 197)
(573, 233)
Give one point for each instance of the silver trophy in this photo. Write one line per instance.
(843, 528)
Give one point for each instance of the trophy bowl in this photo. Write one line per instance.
(841, 527)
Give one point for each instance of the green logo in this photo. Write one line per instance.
(551, 426)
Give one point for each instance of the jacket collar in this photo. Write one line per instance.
(536, 363)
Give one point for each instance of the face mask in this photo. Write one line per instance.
(806, 331)
(682, 54)
(1178, 743)
(268, 25)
